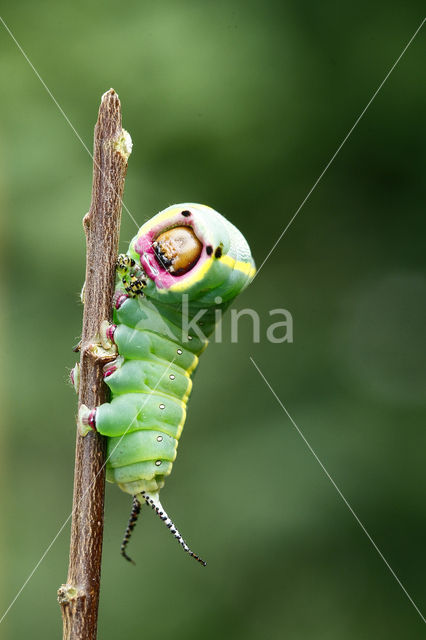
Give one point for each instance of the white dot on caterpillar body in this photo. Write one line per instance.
(172, 376)
(157, 463)
(159, 438)
(162, 406)
(189, 337)
(179, 352)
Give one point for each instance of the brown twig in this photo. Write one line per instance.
(79, 597)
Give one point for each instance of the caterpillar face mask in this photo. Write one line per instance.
(184, 265)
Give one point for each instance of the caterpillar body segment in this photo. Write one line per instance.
(183, 266)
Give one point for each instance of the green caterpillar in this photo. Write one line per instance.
(184, 265)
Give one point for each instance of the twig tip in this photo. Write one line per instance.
(111, 92)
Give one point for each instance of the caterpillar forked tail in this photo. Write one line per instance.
(153, 501)
(136, 508)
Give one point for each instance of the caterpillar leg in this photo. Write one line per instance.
(153, 501)
(136, 508)
(132, 276)
(86, 420)
(106, 336)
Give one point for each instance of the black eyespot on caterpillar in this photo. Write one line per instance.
(218, 252)
(209, 250)
(186, 213)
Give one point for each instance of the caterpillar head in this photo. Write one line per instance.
(192, 249)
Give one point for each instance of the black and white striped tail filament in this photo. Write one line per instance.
(136, 508)
(154, 502)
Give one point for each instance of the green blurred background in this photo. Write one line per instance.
(239, 105)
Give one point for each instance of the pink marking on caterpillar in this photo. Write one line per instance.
(110, 331)
(91, 419)
(119, 299)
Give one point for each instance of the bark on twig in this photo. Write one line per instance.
(79, 597)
